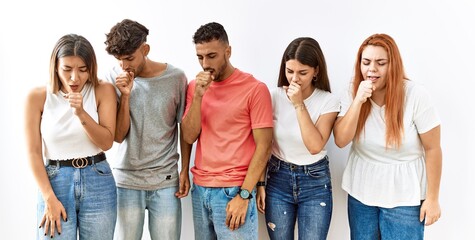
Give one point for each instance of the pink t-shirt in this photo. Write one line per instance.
(230, 109)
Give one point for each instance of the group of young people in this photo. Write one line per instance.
(257, 150)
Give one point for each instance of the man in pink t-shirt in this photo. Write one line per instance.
(229, 112)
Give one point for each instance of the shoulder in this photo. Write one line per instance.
(37, 93)
(329, 96)
(36, 97)
(415, 90)
(175, 72)
(277, 91)
(104, 88)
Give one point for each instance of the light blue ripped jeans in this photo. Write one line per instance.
(300, 194)
(89, 197)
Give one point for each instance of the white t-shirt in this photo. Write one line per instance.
(288, 144)
(389, 177)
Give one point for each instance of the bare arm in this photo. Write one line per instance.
(237, 207)
(124, 82)
(315, 136)
(54, 210)
(430, 209)
(185, 150)
(191, 123)
(261, 194)
(123, 119)
(101, 133)
(344, 129)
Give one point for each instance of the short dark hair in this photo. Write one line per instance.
(209, 32)
(125, 37)
(307, 51)
(72, 45)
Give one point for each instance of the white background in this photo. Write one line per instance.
(436, 39)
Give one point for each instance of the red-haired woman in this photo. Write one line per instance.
(393, 172)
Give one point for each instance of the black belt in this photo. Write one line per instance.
(79, 162)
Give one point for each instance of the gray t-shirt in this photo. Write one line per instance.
(147, 158)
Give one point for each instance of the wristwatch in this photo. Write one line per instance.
(244, 194)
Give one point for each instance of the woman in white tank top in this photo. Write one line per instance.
(69, 124)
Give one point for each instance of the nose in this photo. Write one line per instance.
(205, 63)
(123, 65)
(372, 67)
(74, 75)
(294, 78)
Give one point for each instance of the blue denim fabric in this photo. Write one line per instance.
(298, 193)
(90, 199)
(372, 223)
(164, 214)
(209, 214)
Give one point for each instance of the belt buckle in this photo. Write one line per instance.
(80, 162)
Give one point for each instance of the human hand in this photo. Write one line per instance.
(430, 211)
(365, 90)
(75, 102)
(54, 210)
(125, 82)
(294, 93)
(203, 80)
(236, 212)
(184, 186)
(261, 199)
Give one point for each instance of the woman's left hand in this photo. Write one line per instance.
(261, 199)
(430, 211)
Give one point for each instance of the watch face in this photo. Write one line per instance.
(244, 194)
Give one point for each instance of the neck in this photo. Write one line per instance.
(227, 72)
(378, 97)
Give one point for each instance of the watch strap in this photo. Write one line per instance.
(261, 183)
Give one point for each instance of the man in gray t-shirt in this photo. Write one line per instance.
(151, 103)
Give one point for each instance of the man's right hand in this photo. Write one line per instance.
(203, 80)
(125, 82)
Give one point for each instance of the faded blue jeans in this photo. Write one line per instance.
(164, 214)
(301, 194)
(209, 214)
(373, 223)
(89, 197)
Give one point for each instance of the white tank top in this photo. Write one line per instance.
(63, 135)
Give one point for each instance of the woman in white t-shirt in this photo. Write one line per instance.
(298, 175)
(393, 172)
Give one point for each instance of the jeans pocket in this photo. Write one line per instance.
(52, 171)
(319, 171)
(230, 192)
(102, 168)
(272, 166)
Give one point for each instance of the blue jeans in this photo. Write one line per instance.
(209, 214)
(373, 223)
(164, 213)
(298, 193)
(89, 197)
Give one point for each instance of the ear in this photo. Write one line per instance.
(317, 69)
(228, 52)
(145, 49)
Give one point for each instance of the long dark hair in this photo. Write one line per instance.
(307, 51)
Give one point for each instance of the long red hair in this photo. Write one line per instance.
(395, 95)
